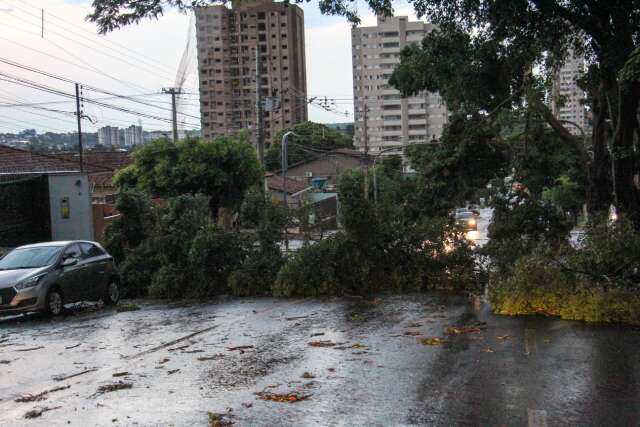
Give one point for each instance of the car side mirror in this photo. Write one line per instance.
(69, 262)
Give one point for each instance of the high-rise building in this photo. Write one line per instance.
(227, 42)
(567, 99)
(109, 136)
(392, 121)
(133, 136)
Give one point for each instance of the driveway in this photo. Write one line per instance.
(366, 365)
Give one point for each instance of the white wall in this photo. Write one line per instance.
(79, 225)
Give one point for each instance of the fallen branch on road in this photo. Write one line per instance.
(39, 396)
(241, 348)
(169, 344)
(296, 318)
(86, 371)
(35, 413)
(30, 349)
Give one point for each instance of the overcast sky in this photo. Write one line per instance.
(139, 60)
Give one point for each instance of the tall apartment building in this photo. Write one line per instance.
(133, 136)
(567, 99)
(392, 121)
(108, 136)
(227, 42)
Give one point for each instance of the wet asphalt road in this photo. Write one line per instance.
(512, 372)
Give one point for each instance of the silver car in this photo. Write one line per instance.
(46, 276)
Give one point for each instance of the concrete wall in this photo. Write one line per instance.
(103, 215)
(329, 166)
(79, 224)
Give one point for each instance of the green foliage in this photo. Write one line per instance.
(609, 254)
(546, 159)
(258, 271)
(222, 169)
(540, 287)
(138, 268)
(452, 172)
(196, 257)
(137, 220)
(471, 74)
(331, 267)
(521, 224)
(385, 247)
(308, 134)
(566, 195)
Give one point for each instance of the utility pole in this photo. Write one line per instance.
(365, 136)
(79, 115)
(259, 108)
(174, 113)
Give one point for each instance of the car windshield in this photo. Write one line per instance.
(464, 215)
(29, 257)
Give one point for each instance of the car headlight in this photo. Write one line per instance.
(29, 283)
(472, 222)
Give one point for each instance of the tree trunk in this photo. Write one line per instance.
(599, 189)
(627, 194)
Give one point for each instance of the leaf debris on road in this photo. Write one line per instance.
(108, 388)
(291, 397)
(323, 343)
(220, 420)
(433, 341)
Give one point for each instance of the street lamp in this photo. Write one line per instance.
(285, 165)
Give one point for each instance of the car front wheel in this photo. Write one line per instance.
(55, 303)
(112, 295)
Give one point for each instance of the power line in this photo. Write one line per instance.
(31, 104)
(138, 55)
(85, 86)
(33, 85)
(118, 58)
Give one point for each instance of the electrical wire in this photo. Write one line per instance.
(33, 85)
(85, 86)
